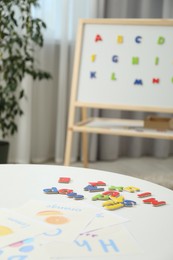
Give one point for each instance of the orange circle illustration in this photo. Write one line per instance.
(57, 220)
(5, 231)
(49, 212)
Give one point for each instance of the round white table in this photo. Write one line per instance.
(151, 227)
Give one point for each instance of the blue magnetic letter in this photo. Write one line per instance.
(115, 58)
(93, 74)
(138, 39)
(138, 82)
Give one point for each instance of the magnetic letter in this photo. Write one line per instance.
(161, 40)
(113, 77)
(120, 39)
(115, 58)
(93, 74)
(156, 81)
(156, 60)
(138, 39)
(93, 57)
(138, 82)
(135, 60)
(98, 38)
(111, 244)
(84, 243)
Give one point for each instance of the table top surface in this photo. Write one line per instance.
(151, 227)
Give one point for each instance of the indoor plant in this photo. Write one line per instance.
(20, 34)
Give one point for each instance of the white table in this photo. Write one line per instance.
(151, 226)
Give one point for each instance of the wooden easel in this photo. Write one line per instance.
(121, 127)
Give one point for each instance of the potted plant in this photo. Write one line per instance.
(20, 34)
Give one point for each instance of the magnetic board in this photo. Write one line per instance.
(125, 63)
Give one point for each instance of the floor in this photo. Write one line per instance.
(159, 171)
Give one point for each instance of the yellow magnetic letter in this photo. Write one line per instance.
(120, 39)
(93, 57)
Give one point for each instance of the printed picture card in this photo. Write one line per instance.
(68, 218)
(15, 227)
(107, 242)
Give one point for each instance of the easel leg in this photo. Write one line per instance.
(68, 147)
(84, 140)
(85, 149)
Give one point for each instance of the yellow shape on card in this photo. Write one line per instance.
(4, 231)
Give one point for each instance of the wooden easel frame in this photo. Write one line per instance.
(82, 126)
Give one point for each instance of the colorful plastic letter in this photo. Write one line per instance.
(96, 197)
(88, 187)
(79, 197)
(65, 191)
(138, 82)
(143, 195)
(131, 189)
(52, 190)
(108, 203)
(113, 77)
(156, 60)
(93, 57)
(149, 201)
(138, 39)
(64, 180)
(97, 183)
(71, 194)
(119, 199)
(98, 38)
(115, 206)
(158, 203)
(112, 193)
(120, 39)
(135, 60)
(161, 40)
(93, 74)
(115, 58)
(119, 188)
(129, 203)
(156, 81)
(95, 189)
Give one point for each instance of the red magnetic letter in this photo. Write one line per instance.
(98, 38)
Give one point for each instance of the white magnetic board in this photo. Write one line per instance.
(126, 62)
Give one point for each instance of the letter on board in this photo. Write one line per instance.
(138, 39)
(138, 82)
(135, 60)
(120, 39)
(115, 58)
(98, 38)
(156, 81)
(161, 40)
